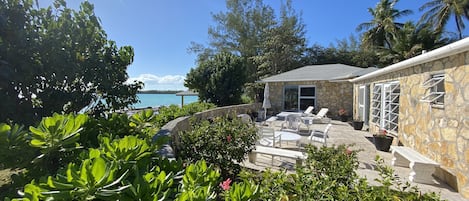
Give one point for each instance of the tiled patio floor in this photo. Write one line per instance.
(343, 133)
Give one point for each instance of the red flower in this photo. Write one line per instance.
(228, 138)
(225, 185)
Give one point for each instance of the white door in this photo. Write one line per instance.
(363, 103)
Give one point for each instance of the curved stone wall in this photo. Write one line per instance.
(183, 123)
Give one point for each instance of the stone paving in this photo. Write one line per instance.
(343, 133)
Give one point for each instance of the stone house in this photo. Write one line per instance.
(424, 103)
(321, 86)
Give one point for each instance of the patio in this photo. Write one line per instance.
(343, 133)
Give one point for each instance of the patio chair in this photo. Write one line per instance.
(267, 137)
(292, 123)
(319, 136)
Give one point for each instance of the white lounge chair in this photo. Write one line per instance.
(320, 116)
(308, 111)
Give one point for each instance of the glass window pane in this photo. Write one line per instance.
(305, 103)
(440, 88)
(308, 91)
(291, 98)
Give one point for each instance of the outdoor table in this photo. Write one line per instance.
(283, 115)
(287, 136)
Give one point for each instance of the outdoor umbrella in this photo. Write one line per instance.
(266, 102)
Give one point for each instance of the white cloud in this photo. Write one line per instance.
(154, 82)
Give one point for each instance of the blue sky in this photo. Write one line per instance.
(160, 31)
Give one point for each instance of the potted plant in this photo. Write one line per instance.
(357, 124)
(382, 140)
(343, 115)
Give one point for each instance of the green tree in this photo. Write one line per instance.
(239, 31)
(219, 80)
(283, 45)
(440, 11)
(410, 41)
(382, 29)
(250, 29)
(58, 60)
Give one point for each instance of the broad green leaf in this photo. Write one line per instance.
(37, 132)
(84, 170)
(98, 169)
(94, 153)
(37, 143)
(4, 128)
(58, 185)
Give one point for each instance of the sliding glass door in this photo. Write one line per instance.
(299, 97)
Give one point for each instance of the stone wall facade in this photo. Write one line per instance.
(438, 132)
(332, 95)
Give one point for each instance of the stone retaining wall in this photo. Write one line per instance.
(183, 123)
(440, 133)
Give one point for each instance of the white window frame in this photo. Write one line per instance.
(363, 103)
(385, 105)
(435, 92)
(300, 97)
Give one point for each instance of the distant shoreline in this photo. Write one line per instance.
(159, 92)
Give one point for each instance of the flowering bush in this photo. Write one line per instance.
(223, 141)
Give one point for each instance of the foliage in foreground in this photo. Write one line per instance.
(126, 168)
(73, 147)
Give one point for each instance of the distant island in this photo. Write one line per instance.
(159, 92)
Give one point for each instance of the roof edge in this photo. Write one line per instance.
(445, 51)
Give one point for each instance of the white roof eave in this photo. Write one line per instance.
(442, 52)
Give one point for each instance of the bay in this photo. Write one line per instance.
(156, 100)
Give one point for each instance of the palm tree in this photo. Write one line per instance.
(381, 30)
(410, 41)
(440, 11)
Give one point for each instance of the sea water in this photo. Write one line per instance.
(156, 100)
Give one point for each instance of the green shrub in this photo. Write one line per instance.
(329, 174)
(222, 141)
(125, 167)
(115, 125)
(57, 138)
(14, 146)
(95, 178)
